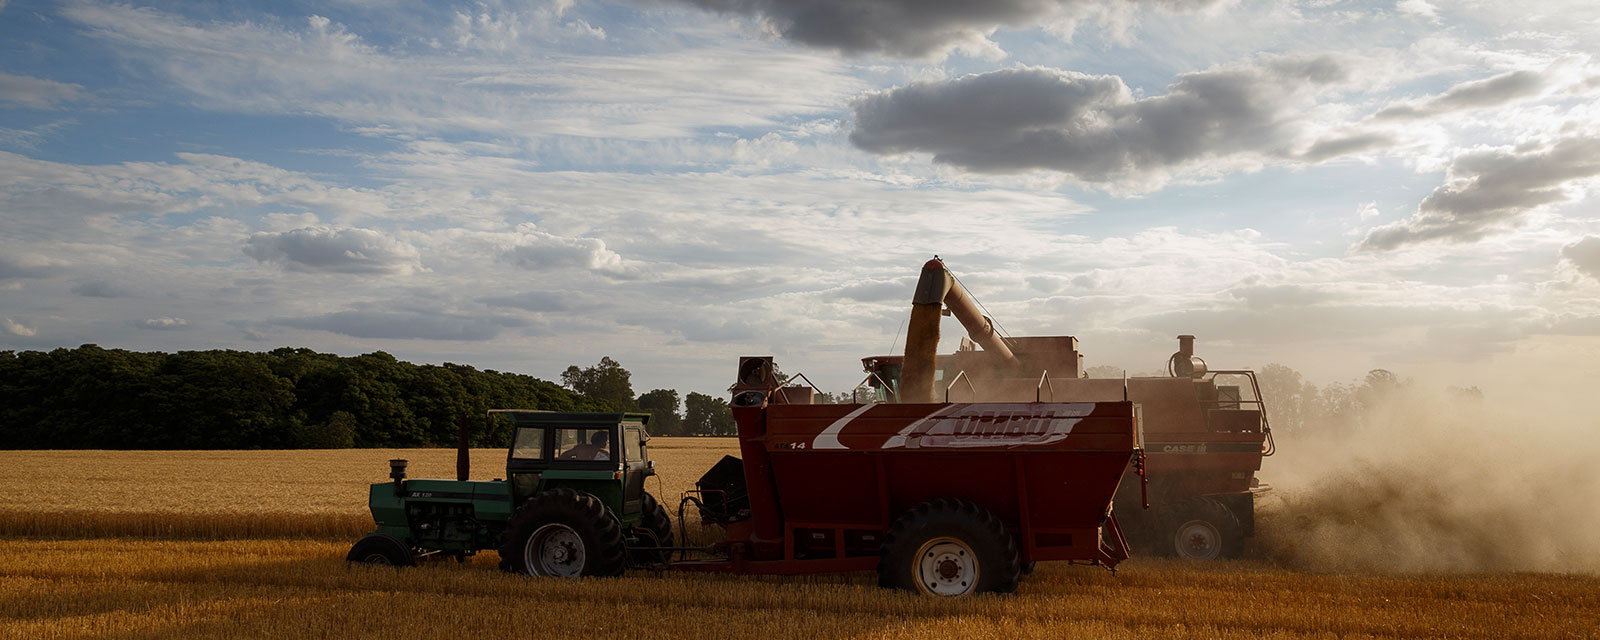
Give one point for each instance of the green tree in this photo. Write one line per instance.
(665, 420)
(707, 416)
(607, 382)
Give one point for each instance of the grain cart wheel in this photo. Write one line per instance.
(563, 533)
(1204, 529)
(947, 547)
(381, 549)
(656, 532)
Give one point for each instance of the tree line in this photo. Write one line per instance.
(288, 398)
(610, 383)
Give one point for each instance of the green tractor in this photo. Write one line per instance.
(572, 503)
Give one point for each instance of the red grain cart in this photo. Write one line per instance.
(944, 499)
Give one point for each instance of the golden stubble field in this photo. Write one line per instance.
(246, 544)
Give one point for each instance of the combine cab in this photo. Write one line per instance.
(1205, 431)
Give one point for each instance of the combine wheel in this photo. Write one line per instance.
(947, 547)
(381, 549)
(563, 533)
(1204, 529)
(656, 531)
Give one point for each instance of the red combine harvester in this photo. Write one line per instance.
(940, 498)
(1205, 431)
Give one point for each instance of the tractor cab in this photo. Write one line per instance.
(605, 454)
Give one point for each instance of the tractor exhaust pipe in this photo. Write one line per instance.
(463, 454)
(397, 472)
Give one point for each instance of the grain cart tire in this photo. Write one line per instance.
(381, 549)
(947, 547)
(657, 532)
(563, 533)
(1204, 529)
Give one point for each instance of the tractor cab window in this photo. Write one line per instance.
(635, 444)
(583, 444)
(528, 444)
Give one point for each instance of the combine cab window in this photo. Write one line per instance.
(529, 444)
(583, 444)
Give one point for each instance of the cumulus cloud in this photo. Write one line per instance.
(335, 250)
(16, 328)
(915, 28)
(26, 267)
(1488, 92)
(536, 250)
(404, 325)
(1489, 189)
(164, 323)
(530, 301)
(38, 93)
(1094, 128)
(98, 289)
(1585, 255)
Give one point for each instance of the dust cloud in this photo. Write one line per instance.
(1438, 482)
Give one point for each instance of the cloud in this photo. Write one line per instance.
(1488, 92)
(405, 325)
(335, 250)
(1094, 128)
(164, 323)
(1585, 255)
(917, 28)
(16, 328)
(536, 250)
(1489, 189)
(99, 289)
(507, 78)
(38, 93)
(27, 267)
(530, 301)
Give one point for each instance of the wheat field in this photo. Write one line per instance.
(248, 544)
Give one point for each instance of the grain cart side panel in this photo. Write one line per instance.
(825, 481)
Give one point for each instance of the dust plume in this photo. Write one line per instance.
(1437, 482)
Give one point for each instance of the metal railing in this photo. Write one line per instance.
(959, 377)
(1044, 379)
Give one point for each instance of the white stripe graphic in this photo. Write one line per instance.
(829, 438)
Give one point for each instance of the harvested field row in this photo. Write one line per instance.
(303, 589)
(215, 495)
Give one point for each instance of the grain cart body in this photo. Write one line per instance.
(829, 485)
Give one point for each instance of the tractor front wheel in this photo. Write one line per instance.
(381, 549)
(563, 533)
(948, 547)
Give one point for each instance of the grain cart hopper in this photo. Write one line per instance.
(1205, 430)
(572, 502)
(938, 498)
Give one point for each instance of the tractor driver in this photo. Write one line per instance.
(595, 450)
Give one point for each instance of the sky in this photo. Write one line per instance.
(523, 186)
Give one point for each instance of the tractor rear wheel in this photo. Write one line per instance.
(381, 549)
(563, 533)
(1204, 529)
(655, 531)
(948, 547)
